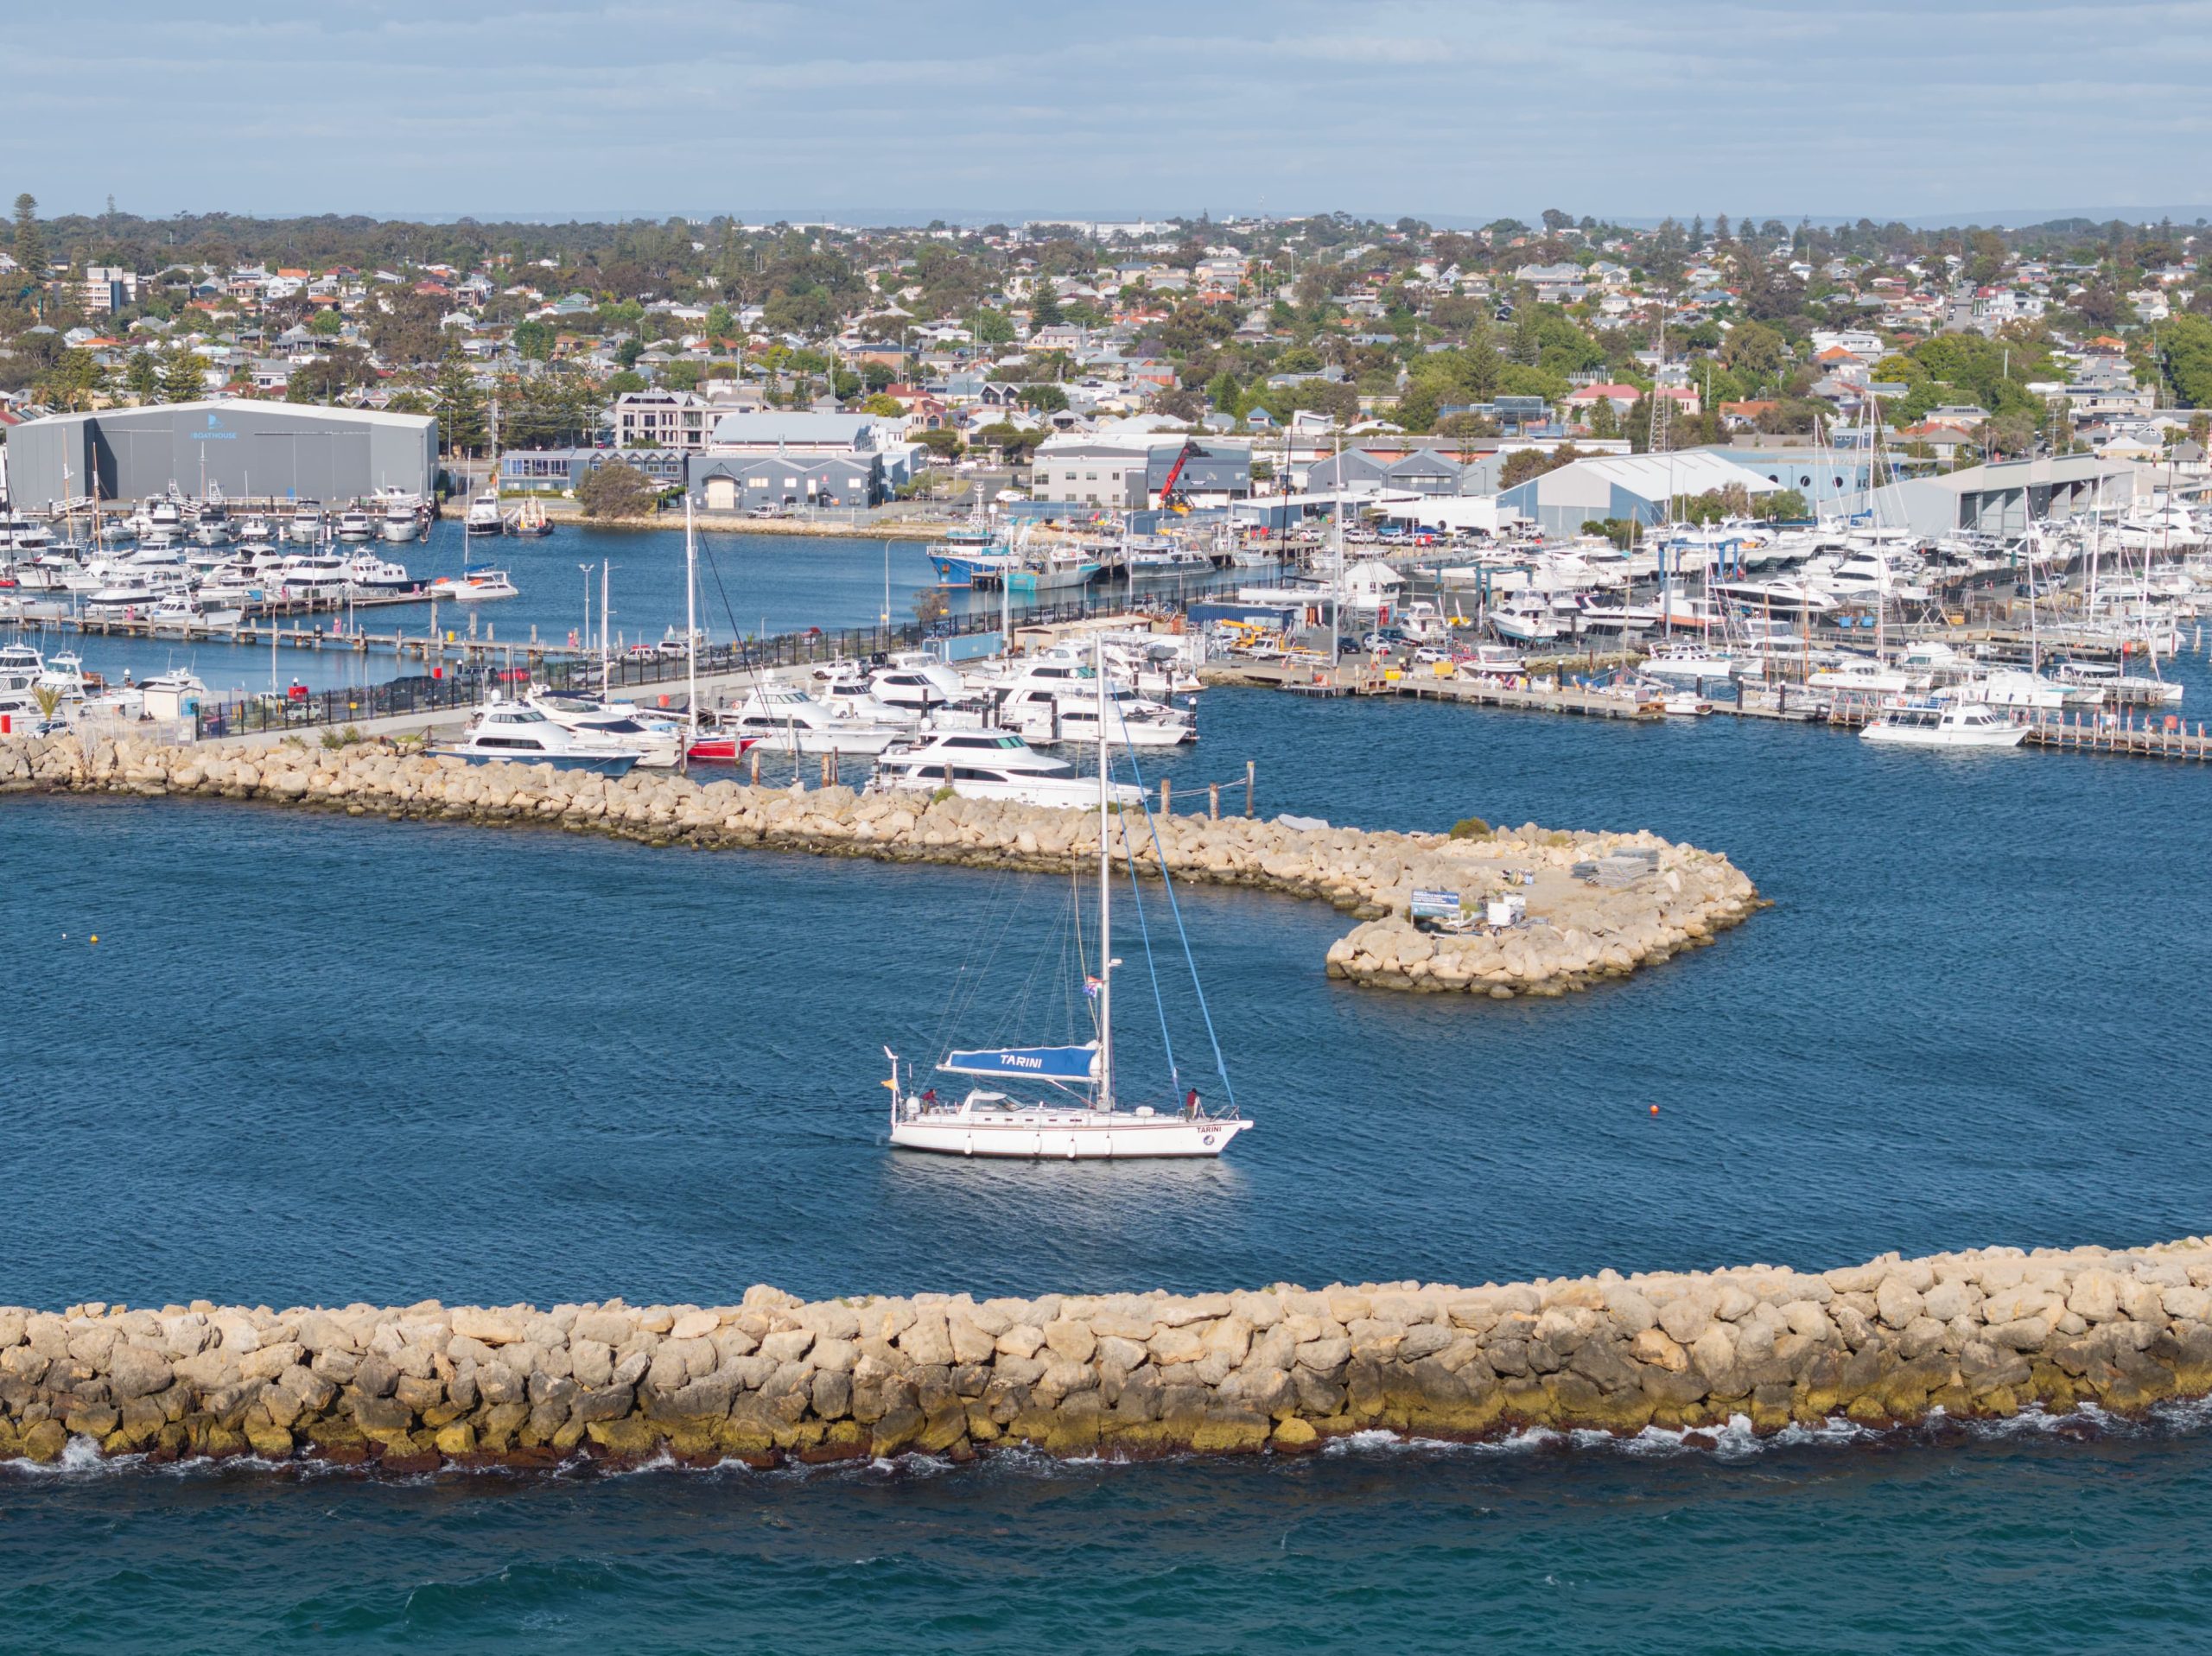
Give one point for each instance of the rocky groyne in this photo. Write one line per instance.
(1283, 1369)
(1599, 904)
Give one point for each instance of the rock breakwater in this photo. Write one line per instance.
(1578, 932)
(1982, 1333)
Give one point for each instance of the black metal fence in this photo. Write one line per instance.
(466, 685)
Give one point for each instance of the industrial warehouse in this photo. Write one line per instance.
(245, 449)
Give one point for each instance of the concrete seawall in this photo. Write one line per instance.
(1982, 1333)
(1656, 898)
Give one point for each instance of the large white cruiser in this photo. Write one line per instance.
(1080, 1117)
(988, 765)
(508, 733)
(786, 720)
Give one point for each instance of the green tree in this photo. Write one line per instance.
(616, 489)
(326, 324)
(142, 376)
(994, 327)
(181, 377)
(72, 382)
(720, 324)
(534, 341)
(29, 244)
(1753, 351)
(625, 381)
(463, 421)
(944, 442)
(1525, 463)
(1784, 505)
(1045, 399)
(629, 351)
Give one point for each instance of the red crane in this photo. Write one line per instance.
(1168, 498)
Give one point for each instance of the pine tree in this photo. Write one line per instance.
(30, 244)
(143, 379)
(181, 380)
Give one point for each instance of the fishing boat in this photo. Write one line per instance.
(529, 519)
(1955, 724)
(1081, 1117)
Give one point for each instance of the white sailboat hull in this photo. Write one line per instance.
(1065, 1135)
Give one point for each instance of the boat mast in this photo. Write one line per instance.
(690, 635)
(1105, 1101)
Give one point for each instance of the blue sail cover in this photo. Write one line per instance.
(1062, 1063)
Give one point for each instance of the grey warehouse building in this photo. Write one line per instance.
(250, 449)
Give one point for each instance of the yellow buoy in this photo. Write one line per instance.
(96, 937)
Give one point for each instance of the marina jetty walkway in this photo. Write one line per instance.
(1126, 1376)
(1597, 904)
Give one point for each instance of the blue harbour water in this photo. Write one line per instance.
(316, 1058)
(750, 585)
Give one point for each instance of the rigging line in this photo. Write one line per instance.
(1175, 908)
(1151, 964)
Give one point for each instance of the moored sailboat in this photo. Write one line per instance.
(1082, 1118)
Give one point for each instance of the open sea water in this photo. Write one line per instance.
(315, 1058)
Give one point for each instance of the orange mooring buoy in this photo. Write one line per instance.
(1655, 1109)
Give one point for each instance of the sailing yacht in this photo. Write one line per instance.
(1081, 1119)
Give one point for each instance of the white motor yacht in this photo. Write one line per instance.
(306, 525)
(483, 516)
(1069, 697)
(988, 765)
(659, 741)
(256, 531)
(191, 612)
(1779, 597)
(1866, 675)
(1526, 619)
(370, 576)
(402, 523)
(2016, 689)
(509, 732)
(130, 590)
(355, 526)
(311, 577)
(212, 526)
(1954, 724)
(916, 684)
(786, 720)
(1686, 663)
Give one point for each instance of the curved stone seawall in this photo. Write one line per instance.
(1670, 897)
(1128, 1375)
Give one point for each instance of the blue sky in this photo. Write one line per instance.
(1446, 111)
